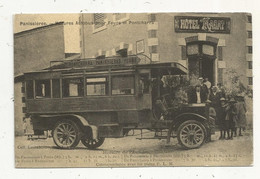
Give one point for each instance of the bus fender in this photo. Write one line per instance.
(181, 118)
(81, 119)
(85, 123)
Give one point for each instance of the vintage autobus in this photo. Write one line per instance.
(89, 100)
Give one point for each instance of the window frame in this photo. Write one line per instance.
(94, 29)
(250, 49)
(250, 80)
(92, 77)
(122, 19)
(249, 19)
(35, 90)
(249, 34)
(200, 49)
(60, 88)
(250, 65)
(123, 75)
(26, 89)
(72, 77)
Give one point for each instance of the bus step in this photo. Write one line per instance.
(36, 137)
(109, 125)
(158, 137)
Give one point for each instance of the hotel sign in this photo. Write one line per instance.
(194, 24)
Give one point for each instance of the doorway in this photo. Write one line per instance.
(207, 69)
(201, 60)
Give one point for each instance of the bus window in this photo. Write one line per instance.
(42, 89)
(56, 88)
(96, 86)
(122, 85)
(72, 87)
(29, 89)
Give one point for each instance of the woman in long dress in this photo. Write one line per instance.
(241, 114)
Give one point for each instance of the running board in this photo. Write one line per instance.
(161, 137)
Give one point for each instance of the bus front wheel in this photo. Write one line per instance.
(66, 134)
(191, 134)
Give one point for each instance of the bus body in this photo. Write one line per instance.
(87, 101)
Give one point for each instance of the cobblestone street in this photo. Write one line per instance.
(129, 151)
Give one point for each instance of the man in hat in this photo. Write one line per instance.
(197, 95)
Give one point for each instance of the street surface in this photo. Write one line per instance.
(129, 151)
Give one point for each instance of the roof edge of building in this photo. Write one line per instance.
(38, 28)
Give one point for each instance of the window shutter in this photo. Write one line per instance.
(99, 20)
(220, 53)
(183, 53)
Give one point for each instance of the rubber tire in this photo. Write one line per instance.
(189, 122)
(76, 128)
(96, 145)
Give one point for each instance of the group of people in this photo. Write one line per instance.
(229, 112)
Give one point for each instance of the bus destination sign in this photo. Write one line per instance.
(101, 62)
(194, 24)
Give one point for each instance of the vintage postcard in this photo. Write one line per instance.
(133, 90)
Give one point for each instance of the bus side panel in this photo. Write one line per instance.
(99, 118)
(94, 104)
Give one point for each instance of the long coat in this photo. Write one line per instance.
(215, 103)
(241, 114)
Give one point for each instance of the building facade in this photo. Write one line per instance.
(33, 50)
(208, 44)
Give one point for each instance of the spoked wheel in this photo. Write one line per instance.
(191, 134)
(66, 134)
(93, 143)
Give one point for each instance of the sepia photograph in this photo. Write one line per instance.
(133, 90)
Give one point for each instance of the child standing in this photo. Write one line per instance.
(230, 120)
(222, 116)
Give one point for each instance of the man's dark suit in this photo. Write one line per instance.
(193, 96)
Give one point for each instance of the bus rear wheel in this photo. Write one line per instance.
(66, 134)
(93, 143)
(191, 134)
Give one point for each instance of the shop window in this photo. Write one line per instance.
(72, 87)
(249, 34)
(29, 89)
(249, 49)
(56, 88)
(42, 89)
(99, 20)
(96, 86)
(123, 85)
(122, 52)
(193, 49)
(250, 80)
(152, 33)
(250, 65)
